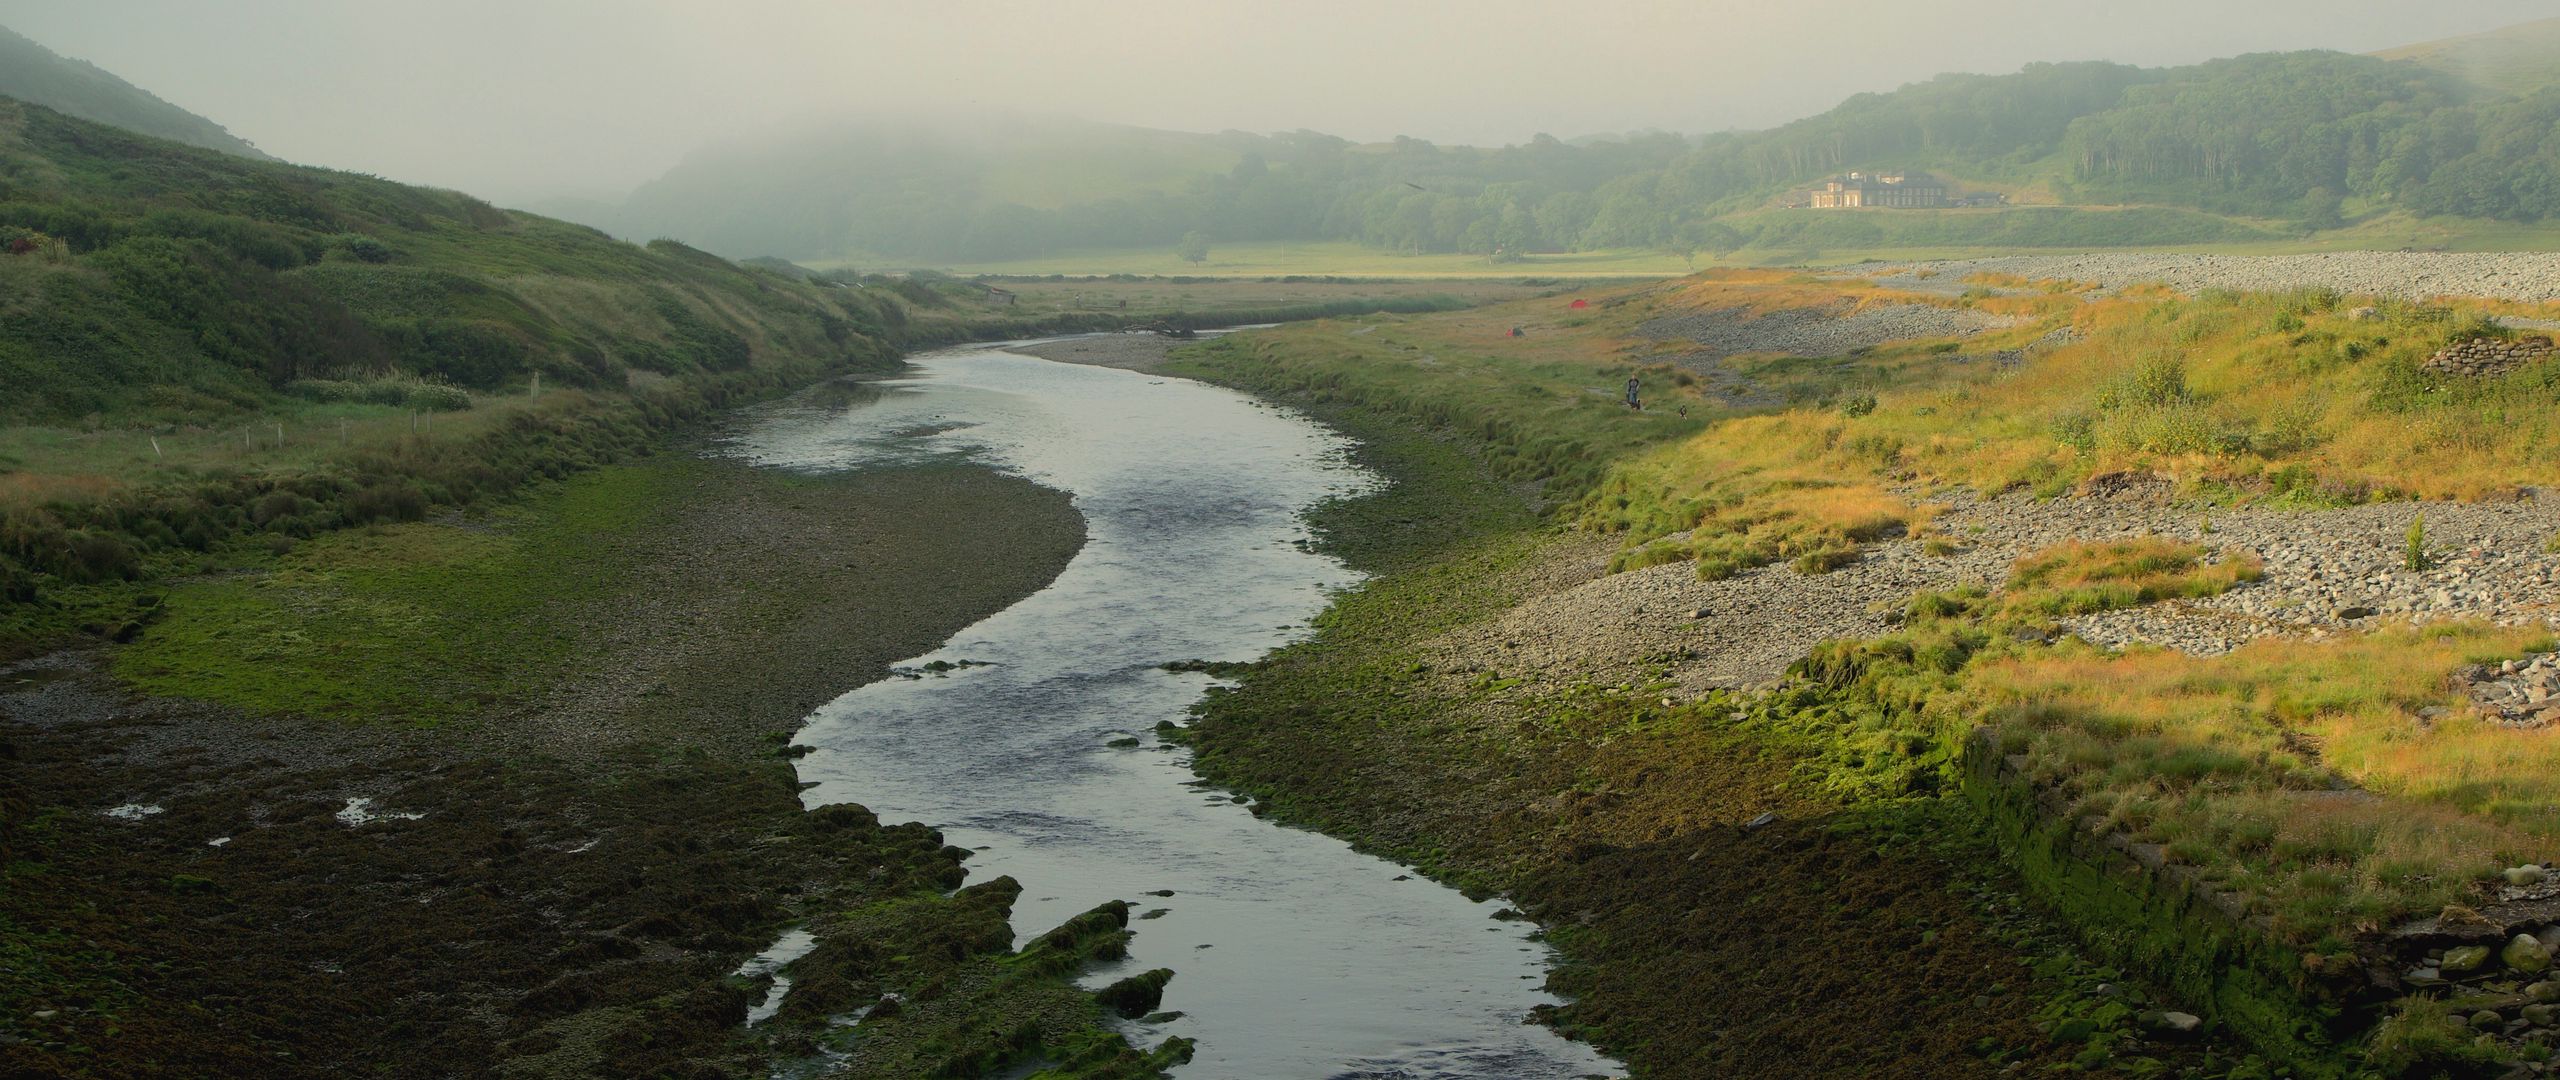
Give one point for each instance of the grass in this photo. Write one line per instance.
(2290, 399)
(2078, 577)
(2297, 774)
(2334, 787)
(426, 621)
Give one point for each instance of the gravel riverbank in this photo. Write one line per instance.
(2326, 572)
(1136, 352)
(2532, 277)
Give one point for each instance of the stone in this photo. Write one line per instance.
(2353, 612)
(2540, 1014)
(2526, 955)
(2178, 1023)
(2464, 959)
(2546, 992)
(2487, 1020)
(1763, 821)
(2528, 874)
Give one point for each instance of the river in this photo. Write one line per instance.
(1295, 957)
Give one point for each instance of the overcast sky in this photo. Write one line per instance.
(525, 99)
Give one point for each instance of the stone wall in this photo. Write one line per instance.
(2487, 356)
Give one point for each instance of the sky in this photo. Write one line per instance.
(526, 100)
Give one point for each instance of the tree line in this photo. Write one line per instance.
(2285, 136)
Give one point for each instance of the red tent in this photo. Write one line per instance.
(1580, 304)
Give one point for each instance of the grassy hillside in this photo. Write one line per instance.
(184, 286)
(198, 350)
(30, 72)
(2516, 61)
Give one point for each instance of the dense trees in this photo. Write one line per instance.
(2291, 136)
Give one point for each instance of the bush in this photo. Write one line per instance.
(361, 248)
(95, 557)
(386, 502)
(2155, 382)
(16, 586)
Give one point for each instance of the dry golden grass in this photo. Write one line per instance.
(2081, 576)
(2245, 396)
(2298, 773)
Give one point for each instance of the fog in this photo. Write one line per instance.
(530, 99)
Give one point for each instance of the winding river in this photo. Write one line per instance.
(1294, 955)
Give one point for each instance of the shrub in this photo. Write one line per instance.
(434, 397)
(1857, 405)
(16, 586)
(2426, 1038)
(2417, 540)
(1825, 559)
(277, 505)
(94, 557)
(386, 502)
(361, 248)
(2154, 382)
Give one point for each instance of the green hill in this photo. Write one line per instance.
(32, 73)
(161, 282)
(980, 183)
(198, 348)
(2516, 61)
(2222, 151)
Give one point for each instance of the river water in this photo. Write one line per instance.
(1295, 957)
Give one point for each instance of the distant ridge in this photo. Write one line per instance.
(32, 73)
(2514, 60)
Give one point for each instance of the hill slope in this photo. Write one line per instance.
(2515, 60)
(31, 72)
(153, 280)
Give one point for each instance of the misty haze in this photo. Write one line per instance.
(1142, 539)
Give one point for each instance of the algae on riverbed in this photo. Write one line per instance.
(598, 843)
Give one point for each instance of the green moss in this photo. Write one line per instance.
(2230, 973)
(421, 621)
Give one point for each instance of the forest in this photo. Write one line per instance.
(2300, 141)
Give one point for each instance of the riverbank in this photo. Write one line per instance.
(1143, 353)
(537, 816)
(1775, 628)
(1717, 915)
